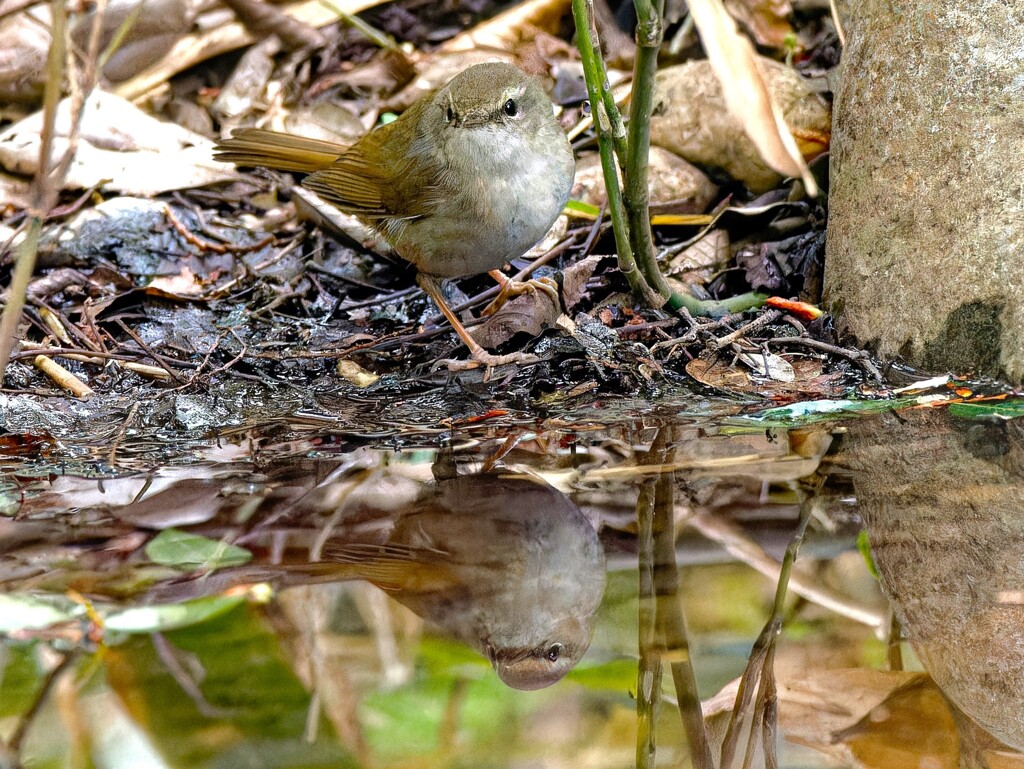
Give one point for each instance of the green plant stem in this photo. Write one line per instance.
(24, 266)
(717, 308)
(636, 196)
(594, 73)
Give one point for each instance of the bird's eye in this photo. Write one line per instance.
(450, 114)
(510, 108)
(554, 652)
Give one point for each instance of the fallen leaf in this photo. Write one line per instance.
(699, 262)
(691, 118)
(356, 374)
(121, 149)
(184, 285)
(801, 310)
(767, 20)
(575, 278)
(528, 313)
(746, 94)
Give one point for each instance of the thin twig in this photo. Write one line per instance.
(208, 245)
(18, 735)
(762, 654)
(860, 357)
(146, 349)
(756, 324)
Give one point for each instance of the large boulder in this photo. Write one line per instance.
(926, 226)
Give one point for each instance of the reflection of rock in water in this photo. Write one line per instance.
(943, 500)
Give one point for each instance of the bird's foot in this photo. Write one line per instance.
(511, 288)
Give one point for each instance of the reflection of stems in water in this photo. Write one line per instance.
(671, 624)
(744, 549)
(895, 651)
(448, 733)
(18, 736)
(659, 584)
(760, 670)
(649, 672)
(170, 656)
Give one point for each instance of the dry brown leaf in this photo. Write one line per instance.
(200, 46)
(719, 375)
(356, 374)
(749, 100)
(156, 25)
(699, 262)
(528, 313)
(510, 28)
(575, 278)
(24, 44)
(807, 378)
(121, 149)
(767, 20)
(184, 285)
(690, 118)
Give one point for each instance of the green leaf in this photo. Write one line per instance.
(1004, 409)
(864, 547)
(19, 613)
(585, 209)
(152, 619)
(615, 675)
(173, 547)
(811, 412)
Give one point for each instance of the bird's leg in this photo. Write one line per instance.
(479, 355)
(510, 288)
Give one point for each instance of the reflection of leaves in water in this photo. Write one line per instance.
(455, 696)
(238, 666)
(914, 720)
(173, 547)
(19, 679)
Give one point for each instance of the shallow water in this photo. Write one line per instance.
(289, 595)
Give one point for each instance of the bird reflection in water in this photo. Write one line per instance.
(504, 563)
(508, 565)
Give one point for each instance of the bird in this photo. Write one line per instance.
(464, 180)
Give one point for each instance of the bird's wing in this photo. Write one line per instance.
(383, 176)
(393, 567)
(353, 183)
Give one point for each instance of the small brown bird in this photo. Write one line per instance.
(466, 179)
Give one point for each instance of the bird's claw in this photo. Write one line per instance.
(511, 288)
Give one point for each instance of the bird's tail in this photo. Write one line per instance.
(280, 151)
